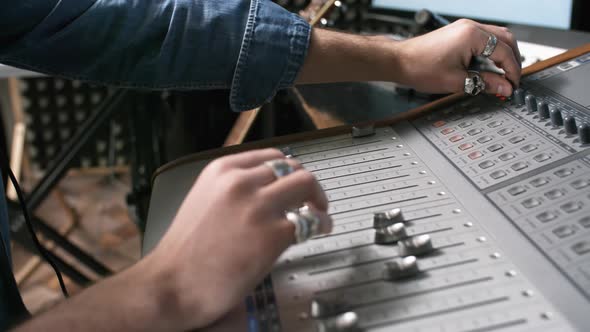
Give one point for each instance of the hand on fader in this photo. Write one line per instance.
(229, 231)
(437, 62)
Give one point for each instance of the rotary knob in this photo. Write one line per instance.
(322, 309)
(556, 116)
(518, 97)
(415, 246)
(387, 218)
(391, 234)
(543, 108)
(570, 126)
(346, 322)
(531, 103)
(584, 133)
(401, 268)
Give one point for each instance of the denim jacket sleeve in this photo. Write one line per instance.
(252, 47)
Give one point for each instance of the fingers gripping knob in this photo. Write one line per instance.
(518, 96)
(306, 222)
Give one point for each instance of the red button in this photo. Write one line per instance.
(456, 138)
(474, 155)
(439, 124)
(447, 131)
(465, 146)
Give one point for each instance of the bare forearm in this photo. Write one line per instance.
(341, 57)
(130, 301)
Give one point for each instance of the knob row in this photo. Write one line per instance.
(553, 114)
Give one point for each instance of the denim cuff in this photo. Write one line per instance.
(272, 52)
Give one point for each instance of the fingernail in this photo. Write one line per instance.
(500, 88)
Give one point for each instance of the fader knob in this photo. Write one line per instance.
(543, 108)
(556, 117)
(346, 322)
(518, 96)
(387, 218)
(391, 234)
(415, 246)
(401, 268)
(584, 133)
(570, 126)
(323, 309)
(531, 103)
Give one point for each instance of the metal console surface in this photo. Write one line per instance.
(502, 191)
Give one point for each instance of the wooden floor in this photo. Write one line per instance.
(92, 209)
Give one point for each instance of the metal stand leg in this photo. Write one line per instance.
(53, 175)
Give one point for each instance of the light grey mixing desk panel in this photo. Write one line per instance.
(502, 189)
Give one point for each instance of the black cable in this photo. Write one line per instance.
(41, 249)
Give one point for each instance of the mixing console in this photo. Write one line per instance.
(473, 218)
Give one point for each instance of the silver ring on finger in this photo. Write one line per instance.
(474, 84)
(279, 167)
(490, 46)
(307, 223)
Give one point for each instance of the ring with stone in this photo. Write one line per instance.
(474, 84)
(307, 223)
(490, 46)
(279, 167)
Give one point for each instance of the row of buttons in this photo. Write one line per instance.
(473, 132)
(569, 230)
(569, 207)
(517, 190)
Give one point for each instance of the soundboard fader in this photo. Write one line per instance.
(474, 218)
(521, 167)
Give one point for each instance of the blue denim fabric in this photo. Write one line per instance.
(253, 48)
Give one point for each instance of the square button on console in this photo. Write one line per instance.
(538, 182)
(564, 231)
(506, 156)
(447, 131)
(585, 222)
(495, 124)
(485, 116)
(531, 203)
(572, 207)
(516, 190)
(475, 155)
(495, 147)
(582, 247)
(497, 174)
(486, 164)
(554, 194)
(564, 172)
(519, 166)
(456, 138)
(528, 148)
(580, 184)
(516, 139)
(439, 124)
(465, 146)
(541, 157)
(474, 132)
(465, 124)
(484, 139)
(547, 216)
(504, 132)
